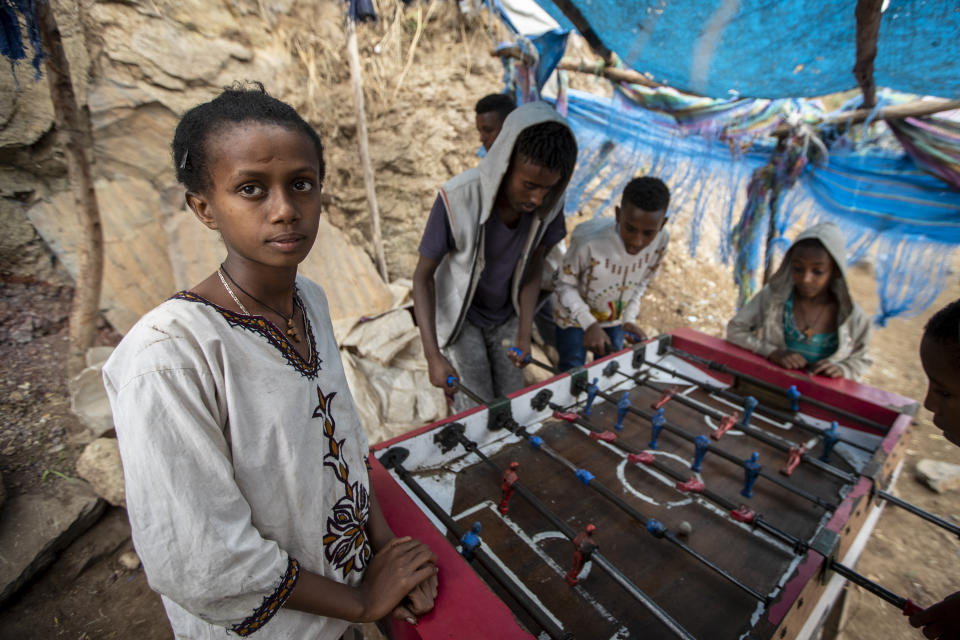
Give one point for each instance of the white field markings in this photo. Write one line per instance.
(707, 419)
(854, 457)
(689, 498)
(786, 574)
(783, 426)
(533, 543)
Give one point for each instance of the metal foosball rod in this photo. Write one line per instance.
(653, 526)
(738, 399)
(454, 382)
(393, 459)
(681, 432)
(752, 518)
(455, 432)
(818, 463)
(726, 455)
(722, 368)
(755, 433)
(905, 605)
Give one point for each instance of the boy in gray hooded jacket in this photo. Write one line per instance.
(804, 318)
(480, 270)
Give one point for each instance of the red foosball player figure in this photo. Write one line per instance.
(583, 546)
(506, 485)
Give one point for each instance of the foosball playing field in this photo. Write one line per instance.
(683, 489)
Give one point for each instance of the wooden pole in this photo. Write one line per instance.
(74, 130)
(896, 112)
(868, 15)
(356, 76)
(582, 66)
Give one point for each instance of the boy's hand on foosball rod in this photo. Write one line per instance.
(942, 620)
(825, 368)
(595, 339)
(394, 573)
(632, 333)
(439, 370)
(519, 354)
(788, 359)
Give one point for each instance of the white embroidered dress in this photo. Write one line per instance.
(243, 463)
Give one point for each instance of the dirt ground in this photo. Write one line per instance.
(87, 595)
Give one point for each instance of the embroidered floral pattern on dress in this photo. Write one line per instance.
(272, 603)
(345, 543)
(259, 324)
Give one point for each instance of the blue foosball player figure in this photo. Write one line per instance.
(794, 394)
(830, 438)
(751, 469)
(701, 443)
(749, 404)
(470, 541)
(592, 390)
(656, 424)
(622, 407)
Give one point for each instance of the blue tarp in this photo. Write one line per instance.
(784, 48)
(881, 199)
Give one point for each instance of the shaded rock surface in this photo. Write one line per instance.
(34, 528)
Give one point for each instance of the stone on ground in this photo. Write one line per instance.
(939, 476)
(100, 465)
(129, 560)
(35, 527)
(88, 400)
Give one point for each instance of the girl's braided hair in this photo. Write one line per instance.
(240, 102)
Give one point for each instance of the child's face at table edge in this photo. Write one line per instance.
(638, 227)
(943, 386)
(812, 270)
(263, 192)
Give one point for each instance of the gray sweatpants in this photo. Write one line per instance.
(480, 358)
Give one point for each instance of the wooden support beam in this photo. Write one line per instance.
(897, 112)
(73, 130)
(580, 22)
(583, 66)
(356, 76)
(868, 14)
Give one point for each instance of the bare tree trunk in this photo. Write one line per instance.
(357, 77)
(74, 131)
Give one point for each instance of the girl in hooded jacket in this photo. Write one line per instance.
(805, 318)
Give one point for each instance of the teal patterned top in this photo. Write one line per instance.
(816, 347)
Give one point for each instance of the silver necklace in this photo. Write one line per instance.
(232, 294)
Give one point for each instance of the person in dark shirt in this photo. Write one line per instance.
(482, 253)
(940, 357)
(491, 111)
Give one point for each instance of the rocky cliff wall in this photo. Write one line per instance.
(137, 65)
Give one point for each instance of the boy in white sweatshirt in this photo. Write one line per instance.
(605, 271)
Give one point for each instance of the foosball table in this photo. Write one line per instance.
(683, 488)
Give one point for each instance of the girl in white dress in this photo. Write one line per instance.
(244, 457)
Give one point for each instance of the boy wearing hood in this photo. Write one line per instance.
(479, 274)
(804, 318)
